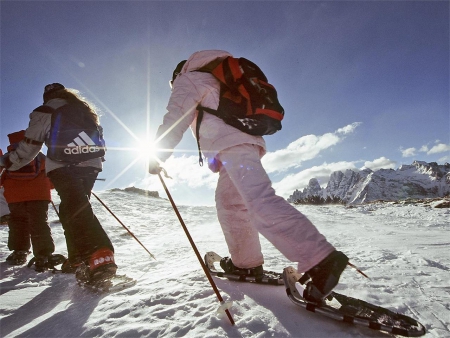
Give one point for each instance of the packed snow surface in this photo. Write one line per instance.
(403, 248)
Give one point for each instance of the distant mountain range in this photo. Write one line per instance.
(418, 180)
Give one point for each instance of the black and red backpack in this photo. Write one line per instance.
(247, 101)
(29, 171)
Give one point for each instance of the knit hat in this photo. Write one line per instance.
(177, 71)
(51, 88)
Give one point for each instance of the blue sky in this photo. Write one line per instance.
(363, 84)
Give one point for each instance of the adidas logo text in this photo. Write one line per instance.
(82, 144)
(81, 150)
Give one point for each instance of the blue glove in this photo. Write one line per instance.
(153, 167)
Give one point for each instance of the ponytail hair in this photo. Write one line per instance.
(73, 96)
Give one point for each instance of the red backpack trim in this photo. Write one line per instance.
(244, 94)
(247, 101)
(27, 172)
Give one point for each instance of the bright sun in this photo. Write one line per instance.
(146, 150)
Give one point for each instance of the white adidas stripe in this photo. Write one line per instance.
(82, 140)
(78, 141)
(86, 138)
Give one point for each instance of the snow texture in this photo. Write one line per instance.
(403, 248)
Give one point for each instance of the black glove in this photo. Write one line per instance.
(153, 167)
(3, 161)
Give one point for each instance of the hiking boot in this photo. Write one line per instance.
(227, 265)
(17, 257)
(40, 263)
(69, 267)
(99, 267)
(46, 262)
(324, 277)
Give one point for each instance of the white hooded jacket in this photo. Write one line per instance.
(246, 203)
(190, 89)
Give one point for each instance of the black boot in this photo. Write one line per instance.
(46, 262)
(98, 267)
(324, 276)
(17, 257)
(227, 265)
(69, 266)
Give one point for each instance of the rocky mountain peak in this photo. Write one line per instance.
(418, 180)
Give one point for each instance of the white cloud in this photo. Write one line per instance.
(445, 159)
(439, 148)
(187, 169)
(303, 149)
(185, 173)
(300, 180)
(423, 149)
(380, 163)
(349, 128)
(436, 149)
(408, 152)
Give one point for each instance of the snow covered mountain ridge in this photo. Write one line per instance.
(418, 180)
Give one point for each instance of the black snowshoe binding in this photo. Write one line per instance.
(69, 267)
(83, 273)
(323, 277)
(43, 263)
(17, 257)
(228, 267)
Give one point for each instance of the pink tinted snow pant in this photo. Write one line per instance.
(247, 204)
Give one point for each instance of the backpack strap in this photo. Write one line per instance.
(197, 133)
(42, 109)
(33, 142)
(211, 65)
(200, 114)
(45, 109)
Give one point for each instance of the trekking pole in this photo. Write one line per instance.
(56, 210)
(208, 275)
(118, 220)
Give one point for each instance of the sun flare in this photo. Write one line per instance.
(146, 150)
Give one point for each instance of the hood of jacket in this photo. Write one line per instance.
(202, 58)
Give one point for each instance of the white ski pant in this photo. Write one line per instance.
(247, 204)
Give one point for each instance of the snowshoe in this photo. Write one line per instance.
(111, 284)
(241, 275)
(17, 257)
(351, 310)
(43, 263)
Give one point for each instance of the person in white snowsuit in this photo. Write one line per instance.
(246, 203)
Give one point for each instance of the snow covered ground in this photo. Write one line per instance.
(403, 248)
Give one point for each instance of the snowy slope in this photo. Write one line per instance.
(403, 248)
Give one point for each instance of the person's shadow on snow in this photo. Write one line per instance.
(56, 306)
